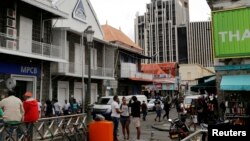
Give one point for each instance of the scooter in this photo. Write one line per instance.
(178, 129)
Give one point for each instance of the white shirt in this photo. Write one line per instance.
(114, 106)
(125, 110)
(39, 106)
(66, 106)
(13, 108)
(57, 106)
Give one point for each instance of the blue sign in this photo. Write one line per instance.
(20, 69)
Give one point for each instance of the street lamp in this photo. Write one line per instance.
(89, 33)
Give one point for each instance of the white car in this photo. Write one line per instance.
(151, 104)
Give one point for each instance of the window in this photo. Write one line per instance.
(93, 58)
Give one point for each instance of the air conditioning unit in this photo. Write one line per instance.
(11, 13)
(11, 23)
(11, 32)
(11, 44)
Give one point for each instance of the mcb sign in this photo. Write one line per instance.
(231, 33)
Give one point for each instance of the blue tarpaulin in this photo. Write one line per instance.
(235, 83)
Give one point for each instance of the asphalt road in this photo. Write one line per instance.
(147, 132)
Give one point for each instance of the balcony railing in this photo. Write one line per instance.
(128, 70)
(76, 69)
(133, 74)
(21, 46)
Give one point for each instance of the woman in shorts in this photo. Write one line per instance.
(124, 119)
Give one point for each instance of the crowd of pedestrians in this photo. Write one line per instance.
(14, 111)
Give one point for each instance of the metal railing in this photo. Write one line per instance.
(196, 136)
(129, 70)
(76, 69)
(71, 127)
(30, 47)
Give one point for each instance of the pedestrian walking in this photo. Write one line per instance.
(39, 108)
(115, 115)
(57, 108)
(193, 113)
(183, 111)
(48, 109)
(66, 107)
(167, 106)
(75, 106)
(135, 106)
(125, 119)
(158, 110)
(31, 113)
(144, 109)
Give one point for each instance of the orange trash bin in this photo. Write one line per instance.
(101, 131)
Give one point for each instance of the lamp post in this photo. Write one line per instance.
(89, 33)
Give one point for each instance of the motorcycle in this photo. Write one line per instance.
(178, 129)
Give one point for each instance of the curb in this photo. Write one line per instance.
(160, 127)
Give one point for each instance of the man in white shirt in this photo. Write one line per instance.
(115, 115)
(57, 107)
(66, 107)
(12, 108)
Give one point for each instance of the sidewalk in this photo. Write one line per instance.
(164, 125)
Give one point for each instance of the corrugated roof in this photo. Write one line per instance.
(152, 69)
(112, 34)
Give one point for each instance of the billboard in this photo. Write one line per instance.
(231, 33)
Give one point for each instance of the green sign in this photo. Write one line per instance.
(231, 33)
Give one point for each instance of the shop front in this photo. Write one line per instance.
(235, 91)
(24, 75)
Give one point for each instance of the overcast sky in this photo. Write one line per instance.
(121, 13)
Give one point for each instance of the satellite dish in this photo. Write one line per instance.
(10, 83)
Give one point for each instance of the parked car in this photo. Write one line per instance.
(103, 106)
(151, 104)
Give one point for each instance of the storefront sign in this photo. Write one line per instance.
(231, 32)
(10, 68)
(168, 86)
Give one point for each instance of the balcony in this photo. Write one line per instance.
(129, 70)
(74, 69)
(33, 49)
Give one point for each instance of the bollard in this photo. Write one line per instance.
(101, 131)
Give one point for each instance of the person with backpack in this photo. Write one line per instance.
(125, 119)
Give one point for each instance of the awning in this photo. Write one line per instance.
(42, 5)
(208, 86)
(235, 83)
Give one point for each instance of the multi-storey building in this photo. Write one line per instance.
(200, 44)
(43, 49)
(162, 30)
(67, 76)
(128, 58)
(26, 47)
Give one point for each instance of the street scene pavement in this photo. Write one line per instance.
(151, 130)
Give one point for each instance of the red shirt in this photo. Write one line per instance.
(31, 113)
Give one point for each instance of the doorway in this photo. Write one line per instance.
(24, 84)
